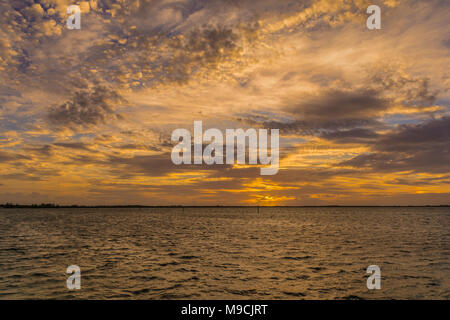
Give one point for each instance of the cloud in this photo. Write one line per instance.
(423, 147)
(87, 108)
(73, 145)
(356, 135)
(331, 110)
(45, 150)
(6, 156)
(154, 165)
(407, 89)
(97, 105)
(338, 104)
(20, 176)
(415, 137)
(134, 146)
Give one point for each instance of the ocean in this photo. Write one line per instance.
(225, 253)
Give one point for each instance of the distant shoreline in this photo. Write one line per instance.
(55, 206)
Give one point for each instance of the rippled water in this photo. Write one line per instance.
(225, 253)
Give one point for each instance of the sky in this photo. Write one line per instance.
(86, 115)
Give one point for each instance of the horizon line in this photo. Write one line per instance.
(52, 205)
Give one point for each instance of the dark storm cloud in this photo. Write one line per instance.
(350, 115)
(357, 135)
(422, 181)
(326, 128)
(87, 108)
(82, 159)
(333, 114)
(434, 134)
(29, 172)
(421, 161)
(73, 145)
(20, 176)
(422, 147)
(313, 175)
(153, 165)
(45, 150)
(133, 146)
(6, 156)
(338, 104)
